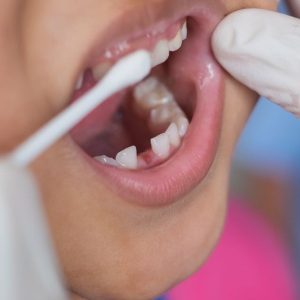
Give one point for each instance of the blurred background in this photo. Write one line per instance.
(258, 256)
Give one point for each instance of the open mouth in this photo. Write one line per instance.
(155, 141)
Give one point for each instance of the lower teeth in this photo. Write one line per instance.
(156, 104)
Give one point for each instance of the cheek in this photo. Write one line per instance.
(232, 5)
(239, 103)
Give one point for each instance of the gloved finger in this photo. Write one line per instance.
(295, 6)
(261, 49)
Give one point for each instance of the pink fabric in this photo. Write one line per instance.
(250, 263)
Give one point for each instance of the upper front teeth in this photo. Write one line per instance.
(184, 31)
(159, 54)
(162, 49)
(176, 42)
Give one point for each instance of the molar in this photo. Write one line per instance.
(151, 94)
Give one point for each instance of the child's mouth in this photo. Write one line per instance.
(143, 125)
(157, 140)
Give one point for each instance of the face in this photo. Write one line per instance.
(133, 227)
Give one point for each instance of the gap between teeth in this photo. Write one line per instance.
(159, 55)
(156, 104)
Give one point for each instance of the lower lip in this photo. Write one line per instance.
(165, 184)
(189, 166)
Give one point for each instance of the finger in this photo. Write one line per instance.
(261, 49)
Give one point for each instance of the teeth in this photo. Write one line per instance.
(160, 53)
(79, 83)
(173, 135)
(145, 88)
(128, 158)
(152, 91)
(156, 103)
(184, 31)
(100, 70)
(176, 43)
(161, 145)
(182, 125)
(107, 161)
(163, 115)
(151, 94)
(162, 49)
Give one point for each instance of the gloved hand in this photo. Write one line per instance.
(29, 269)
(261, 49)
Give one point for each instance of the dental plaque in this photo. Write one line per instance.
(143, 126)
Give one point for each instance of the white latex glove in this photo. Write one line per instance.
(261, 49)
(28, 266)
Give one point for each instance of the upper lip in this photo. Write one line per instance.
(138, 19)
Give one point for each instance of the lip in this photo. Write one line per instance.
(190, 165)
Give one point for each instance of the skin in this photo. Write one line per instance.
(295, 6)
(108, 248)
